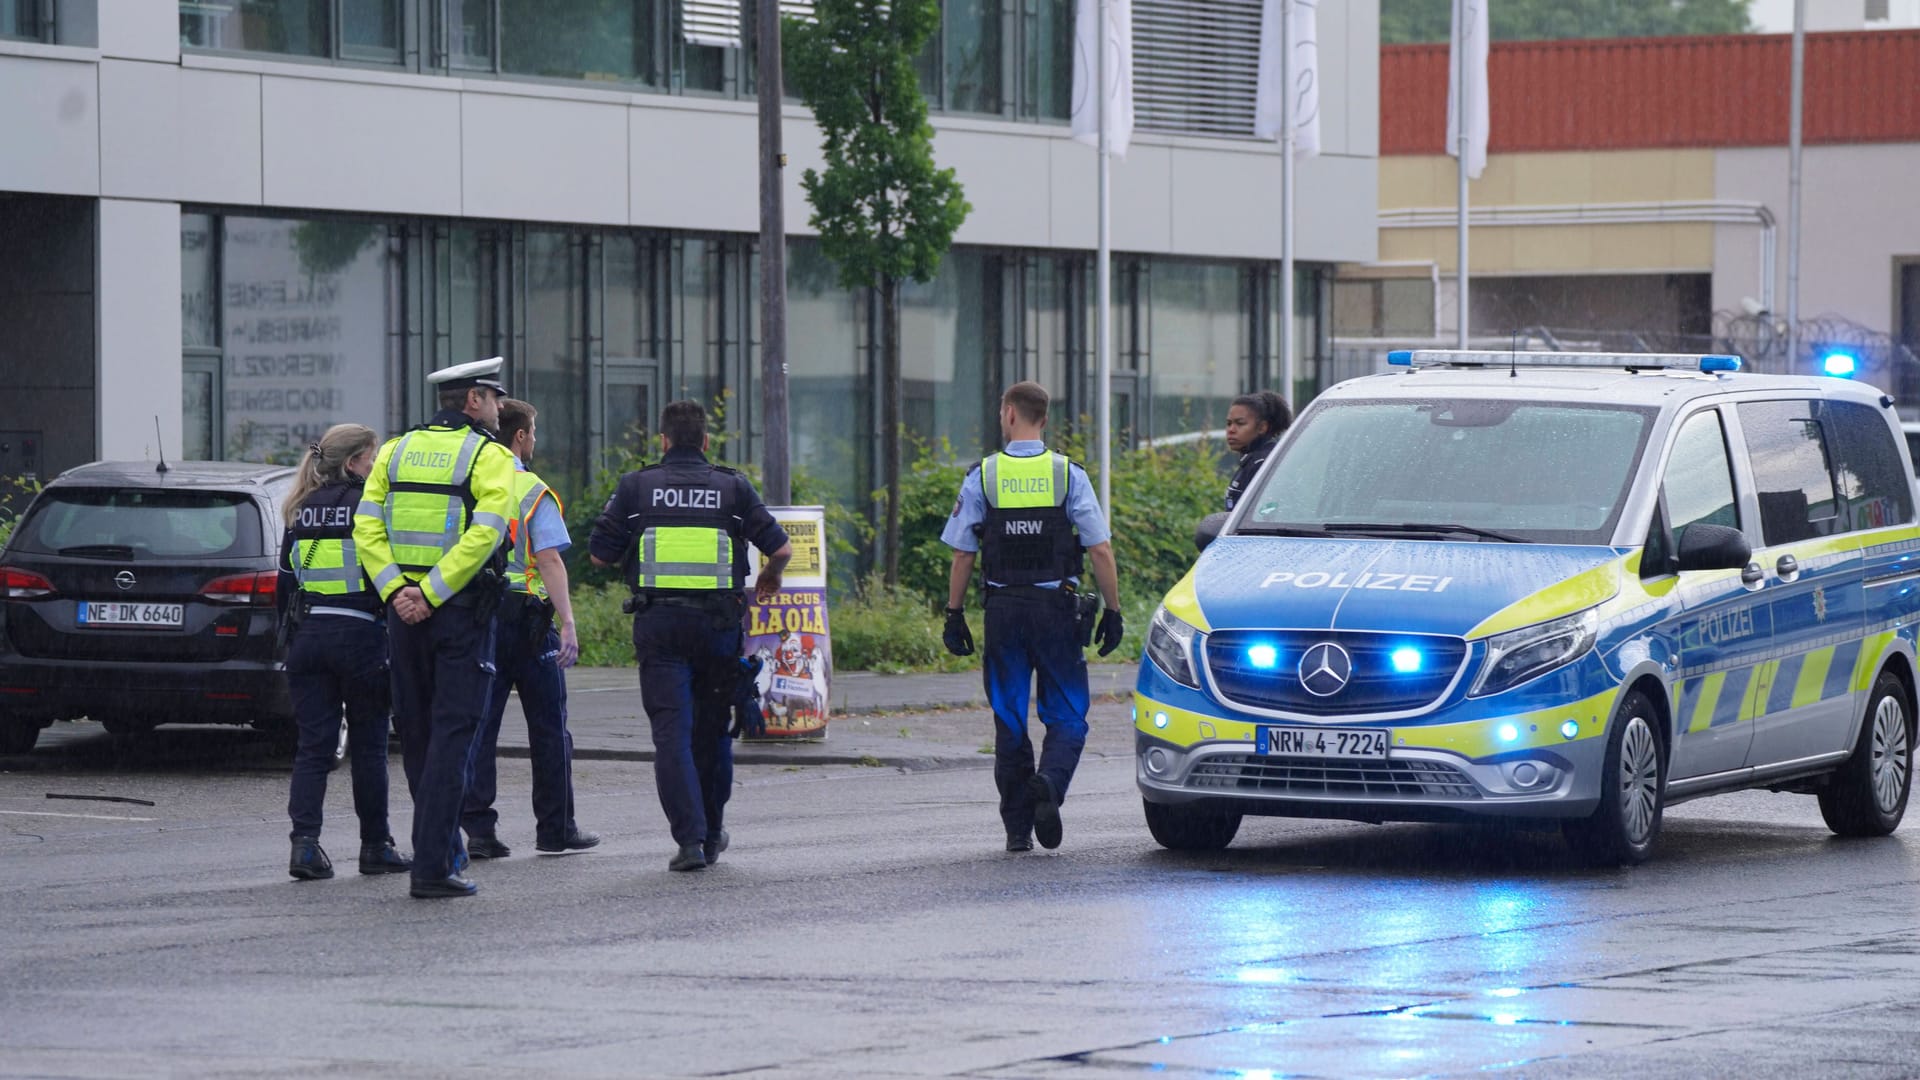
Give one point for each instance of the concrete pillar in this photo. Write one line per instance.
(138, 313)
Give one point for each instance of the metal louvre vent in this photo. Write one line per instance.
(711, 22)
(1196, 65)
(1338, 778)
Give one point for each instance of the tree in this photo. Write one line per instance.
(885, 213)
(1411, 21)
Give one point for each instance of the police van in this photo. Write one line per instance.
(1556, 588)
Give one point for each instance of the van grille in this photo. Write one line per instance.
(1372, 687)
(1340, 778)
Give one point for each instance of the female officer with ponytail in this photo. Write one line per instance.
(338, 656)
(1254, 424)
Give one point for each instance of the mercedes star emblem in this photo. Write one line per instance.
(1325, 669)
(124, 579)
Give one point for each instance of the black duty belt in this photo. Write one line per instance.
(1062, 595)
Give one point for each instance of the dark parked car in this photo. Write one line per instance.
(137, 597)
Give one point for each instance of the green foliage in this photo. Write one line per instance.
(1411, 21)
(883, 210)
(15, 493)
(328, 247)
(892, 631)
(606, 633)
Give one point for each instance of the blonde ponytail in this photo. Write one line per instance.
(325, 462)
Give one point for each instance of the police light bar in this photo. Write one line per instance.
(1419, 358)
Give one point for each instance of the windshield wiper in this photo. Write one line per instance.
(1426, 527)
(98, 551)
(1280, 530)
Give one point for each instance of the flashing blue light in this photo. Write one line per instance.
(1840, 365)
(1159, 719)
(1570, 729)
(1507, 992)
(1508, 733)
(1401, 357)
(1719, 363)
(1405, 660)
(1264, 657)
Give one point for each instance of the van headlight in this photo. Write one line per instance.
(1531, 651)
(1170, 644)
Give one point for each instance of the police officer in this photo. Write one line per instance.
(1254, 424)
(431, 532)
(681, 527)
(1028, 514)
(537, 643)
(338, 656)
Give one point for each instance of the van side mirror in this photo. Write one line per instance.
(1208, 530)
(1713, 547)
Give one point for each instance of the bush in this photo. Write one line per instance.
(892, 631)
(15, 493)
(606, 633)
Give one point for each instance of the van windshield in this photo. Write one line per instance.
(1466, 469)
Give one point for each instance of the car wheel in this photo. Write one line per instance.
(18, 736)
(1190, 828)
(1633, 788)
(1867, 796)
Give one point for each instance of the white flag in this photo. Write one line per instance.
(1086, 112)
(1476, 54)
(1267, 115)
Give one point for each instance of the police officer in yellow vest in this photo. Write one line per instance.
(1027, 515)
(681, 527)
(337, 660)
(431, 532)
(537, 643)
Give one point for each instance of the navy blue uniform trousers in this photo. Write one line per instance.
(531, 666)
(442, 689)
(678, 648)
(1032, 633)
(338, 661)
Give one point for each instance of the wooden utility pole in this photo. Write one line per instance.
(776, 470)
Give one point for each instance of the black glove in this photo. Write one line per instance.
(1112, 628)
(957, 637)
(744, 702)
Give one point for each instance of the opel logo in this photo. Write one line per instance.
(124, 579)
(1325, 669)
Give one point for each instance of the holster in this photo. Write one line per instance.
(1086, 613)
(489, 588)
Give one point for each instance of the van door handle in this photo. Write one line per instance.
(1788, 568)
(1753, 577)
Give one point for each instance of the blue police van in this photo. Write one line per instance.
(1557, 588)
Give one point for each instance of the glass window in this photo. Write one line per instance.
(971, 48)
(1792, 471)
(1198, 332)
(1048, 44)
(610, 40)
(828, 394)
(197, 441)
(949, 339)
(199, 283)
(555, 375)
(1867, 462)
(145, 523)
(370, 30)
(289, 27)
(304, 319)
(1699, 481)
(472, 333)
(471, 39)
(1563, 469)
(21, 19)
(698, 330)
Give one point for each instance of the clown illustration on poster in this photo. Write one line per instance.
(789, 635)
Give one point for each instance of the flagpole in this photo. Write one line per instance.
(1460, 142)
(1103, 271)
(1288, 375)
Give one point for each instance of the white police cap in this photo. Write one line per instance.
(476, 373)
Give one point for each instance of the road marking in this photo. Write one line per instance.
(89, 817)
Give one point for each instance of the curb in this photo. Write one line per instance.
(798, 754)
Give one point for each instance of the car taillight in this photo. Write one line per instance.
(17, 584)
(243, 588)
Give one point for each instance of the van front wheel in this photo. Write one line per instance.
(1190, 828)
(1867, 796)
(1625, 825)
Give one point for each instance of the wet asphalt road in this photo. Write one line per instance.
(866, 923)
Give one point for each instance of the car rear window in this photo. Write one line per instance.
(142, 524)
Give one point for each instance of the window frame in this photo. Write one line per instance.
(45, 16)
(1827, 445)
(1663, 515)
(410, 59)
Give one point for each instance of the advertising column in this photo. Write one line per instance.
(789, 635)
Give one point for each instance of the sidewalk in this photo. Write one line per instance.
(903, 721)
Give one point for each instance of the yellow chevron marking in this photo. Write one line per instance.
(1813, 677)
(1709, 697)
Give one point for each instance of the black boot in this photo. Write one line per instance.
(309, 862)
(486, 846)
(379, 857)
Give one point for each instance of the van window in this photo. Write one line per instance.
(1699, 481)
(1873, 481)
(1792, 471)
